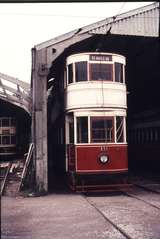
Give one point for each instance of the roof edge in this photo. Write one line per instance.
(94, 25)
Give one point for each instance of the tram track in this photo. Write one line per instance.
(113, 212)
(108, 220)
(140, 199)
(148, 189)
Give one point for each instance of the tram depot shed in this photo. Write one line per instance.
(15, 104)
(134, 34)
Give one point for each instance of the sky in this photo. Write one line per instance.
(24, 25)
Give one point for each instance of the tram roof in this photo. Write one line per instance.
(142, 21)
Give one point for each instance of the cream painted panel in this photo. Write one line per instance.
(95, 95)
(85, 57)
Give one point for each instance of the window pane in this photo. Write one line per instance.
(71, 132)
(70, 73)
(5, 122)
(119, 129)
(5, 139)
(101, 72)
(82, 129)
(81, 71)
(118, 72)
(101, 130)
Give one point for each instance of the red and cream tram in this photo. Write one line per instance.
(95, 116)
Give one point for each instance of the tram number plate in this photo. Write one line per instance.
(104, 148)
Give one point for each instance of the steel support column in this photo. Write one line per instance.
(39, 118)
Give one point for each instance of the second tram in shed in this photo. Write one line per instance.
(93, 124)
(7, 136)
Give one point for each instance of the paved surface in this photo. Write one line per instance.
(62, 216)
(135, 215)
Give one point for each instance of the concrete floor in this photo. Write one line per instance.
(55, 216)
(65, 215)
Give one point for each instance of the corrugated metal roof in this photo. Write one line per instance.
(143, 21)
(140, 22)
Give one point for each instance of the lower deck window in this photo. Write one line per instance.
(120, 129)
(82, 129)
(71, 132)
(102, 130)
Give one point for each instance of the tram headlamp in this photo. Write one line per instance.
(103, 158)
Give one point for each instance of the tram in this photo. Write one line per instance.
(92, 127)
(7, 137)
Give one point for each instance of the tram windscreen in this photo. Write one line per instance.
(101, 72)
(101, 130)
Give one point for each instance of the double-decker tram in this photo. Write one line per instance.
(7, 137)
(94, 119)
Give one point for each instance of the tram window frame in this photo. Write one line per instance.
(81, 71)
(6, 142)
(82, 129)
(70, 73)
(71, 132)
(5, 124)
(120, 128)
(102, 140)
(119, 72)
(100, 78)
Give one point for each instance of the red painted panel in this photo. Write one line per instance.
(71, 157)
(87, 158)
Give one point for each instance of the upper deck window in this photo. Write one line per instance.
(118, 72)
(70, 73)
(99, 71)
(81, 71)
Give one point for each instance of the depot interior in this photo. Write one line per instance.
(142, 79)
